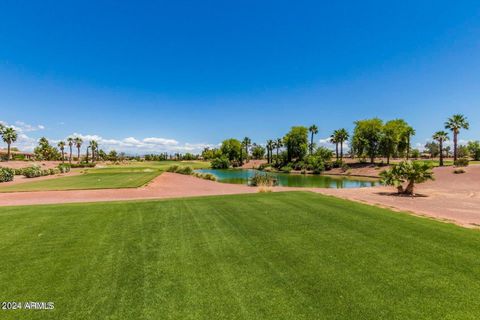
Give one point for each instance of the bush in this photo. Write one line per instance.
(64, 167)
(6, 174)
(462, 162)
(206, 176)
(344, 167)
(220, 163)
(458, 171)
(83, 165)
(32, 172)
(19, 171)
(173, 168)
(286, 169)
(262, 180)
(185, 170)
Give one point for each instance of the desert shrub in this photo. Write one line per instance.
(262, 180)
(185, 170)
(19, 171)
(344, 167)
(6, 174)
(337, 164)
(206, 176)
(32, 172)
(263, 166)
(220, 163)
(286, 169)
(298, 165)
(64, 167)
(173, 168)
(462, 162)
(409, 172)
(458, 171)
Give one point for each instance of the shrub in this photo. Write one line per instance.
(206, 176)
(458, 171)
(262, 180)
(286, 169)
(220, 163)
(185, 170)
(64, 167)
(173, 168)
(407, 171)
(83, 165)
(344, 167)
(32, 172)
(6, 174)
(19, 171)
(462, 162)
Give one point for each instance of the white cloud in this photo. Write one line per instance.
(21, 126)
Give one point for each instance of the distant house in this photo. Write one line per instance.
(17, 154)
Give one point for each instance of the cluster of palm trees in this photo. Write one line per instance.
(271, 146)
(9, 136)
(339, 137)
(455, 123)
(77, 143)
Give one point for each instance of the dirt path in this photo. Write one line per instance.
(450, 197)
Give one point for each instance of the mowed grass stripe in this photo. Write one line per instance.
(104, 180)
(277, 256)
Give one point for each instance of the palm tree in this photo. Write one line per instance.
(447, 151)
(61, 146)
(313, 130)
(278, 145)
(334, 139)
(86, 159)
(441, 137)
(78, 144)
(270, 146)
(246, 143)
(455, 123)
(408, 135)
(342, 136)
(70, 144)
(94, 146)
(9, 136)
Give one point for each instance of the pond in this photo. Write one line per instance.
(241, 176)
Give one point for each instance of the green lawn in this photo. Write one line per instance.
(260, 256)
(133, 175)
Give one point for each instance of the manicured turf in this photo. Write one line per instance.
(260, 256)
(133, 175)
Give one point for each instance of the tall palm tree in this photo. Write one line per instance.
(313, 131)
(454, 124)
(9, 136)
(94, 146)
(78, 144)
(342, 136)
(61, 146)
(270, 145)
(246, 143)
(278, 145)
(86, 158)
(441, 137)
(70, 144)
(408, 135)
(334, 139)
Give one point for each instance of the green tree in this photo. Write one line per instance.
(112, 155)
(94, 146)
(432, 148)
(45, 151)
(246, 144)
(70, 145)
(278, 145)
(61, 146)
(440, 137)
(455, 123)
(232, 149)
(367, 136)
(342, 136)
(313, 131)
(9, 136)
(409, 132)
(407, 171)
(78, 144)
(334, 140)
(474, 149)
(258, 152)
(270, 147)
(296, 143)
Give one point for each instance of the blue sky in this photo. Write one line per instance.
(179, 75)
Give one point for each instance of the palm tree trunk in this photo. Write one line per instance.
(336, 150)
(408, 147)
(70, 158)
(441, 153)
(341, 150)
(78, 155)
(8, 152)
(388, 158)
(63, 157)
(454, 146)
(311, 144)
